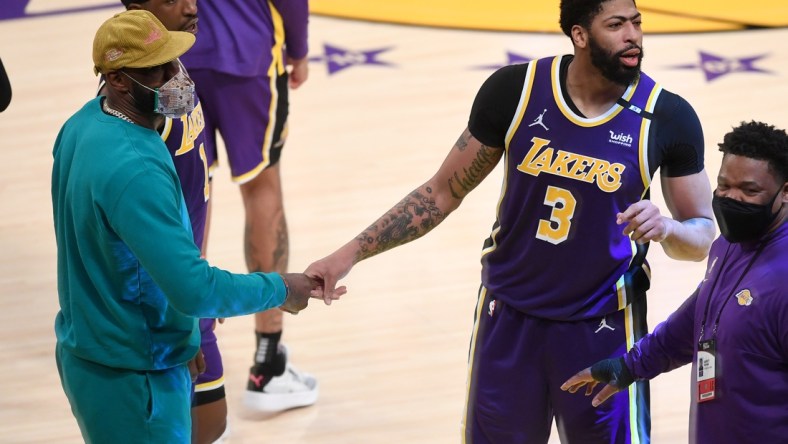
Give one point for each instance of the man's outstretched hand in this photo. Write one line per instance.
(329, 270)
(300, 288)
(612, 372)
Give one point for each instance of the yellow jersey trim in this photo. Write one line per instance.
(645, 128)
(210, 385)
(530, 75)
(165, 132)
(479, 308)
(633, 388)
(566, 110)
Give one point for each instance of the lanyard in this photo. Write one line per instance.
(735, 286)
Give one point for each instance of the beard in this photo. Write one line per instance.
(144, 100)
(610, 65)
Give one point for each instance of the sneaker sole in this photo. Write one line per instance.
(277, 402)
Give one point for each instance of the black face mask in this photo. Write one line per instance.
(742, 221)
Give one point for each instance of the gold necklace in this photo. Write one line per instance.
(115, 112)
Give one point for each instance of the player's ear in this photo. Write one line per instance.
(134, 6)
(116, 81)
(579, 36)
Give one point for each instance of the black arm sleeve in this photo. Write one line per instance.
(678, 137)
(5, 88)
(495, 104)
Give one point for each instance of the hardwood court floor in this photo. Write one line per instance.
(382, 108)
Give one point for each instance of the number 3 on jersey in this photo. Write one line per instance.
(556, 230)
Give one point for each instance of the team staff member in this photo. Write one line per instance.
(131, 283)
(734, 328)
(582, 137)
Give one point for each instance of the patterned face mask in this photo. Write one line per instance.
(175, 98)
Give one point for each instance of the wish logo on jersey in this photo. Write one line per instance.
(542, 158)
(621, 139)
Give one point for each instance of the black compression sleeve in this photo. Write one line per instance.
(678, 137)
(495, 104)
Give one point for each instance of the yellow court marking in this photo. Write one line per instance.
(659, 16)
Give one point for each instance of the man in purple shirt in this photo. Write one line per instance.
(734, 327)
(239, 67)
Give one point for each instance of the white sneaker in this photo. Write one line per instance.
(290, 390)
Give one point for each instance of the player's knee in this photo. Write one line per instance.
(266, 185)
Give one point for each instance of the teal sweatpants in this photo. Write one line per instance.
(126, 406)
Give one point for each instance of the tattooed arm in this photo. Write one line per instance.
(468, 163)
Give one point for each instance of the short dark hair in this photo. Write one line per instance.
(126, 3)
(579, 12)
(758, 140)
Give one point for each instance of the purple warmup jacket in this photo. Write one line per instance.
(247, 38)
(751, 404)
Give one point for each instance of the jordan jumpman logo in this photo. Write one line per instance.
(603, 324)
(540, 121)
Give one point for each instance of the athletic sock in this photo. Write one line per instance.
(268, 361)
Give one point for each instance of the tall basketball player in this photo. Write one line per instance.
(564, 272)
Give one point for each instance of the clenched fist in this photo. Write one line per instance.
(299, 289)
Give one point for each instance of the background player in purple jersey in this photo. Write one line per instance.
(239, 65)
(734, 328)
(191, 159)
(581, 137)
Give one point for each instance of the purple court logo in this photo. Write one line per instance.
(511, 59)
(338, 59)
(714, 66)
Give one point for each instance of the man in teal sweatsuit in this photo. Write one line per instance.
(131, 283)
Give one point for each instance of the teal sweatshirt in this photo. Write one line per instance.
(131, 283)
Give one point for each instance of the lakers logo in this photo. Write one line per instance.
(744, 298)
(193, 125)
(542, 158)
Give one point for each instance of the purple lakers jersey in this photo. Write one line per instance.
(247, 38)
(186, 142)
(556, 251)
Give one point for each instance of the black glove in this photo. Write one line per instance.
(612, 371)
